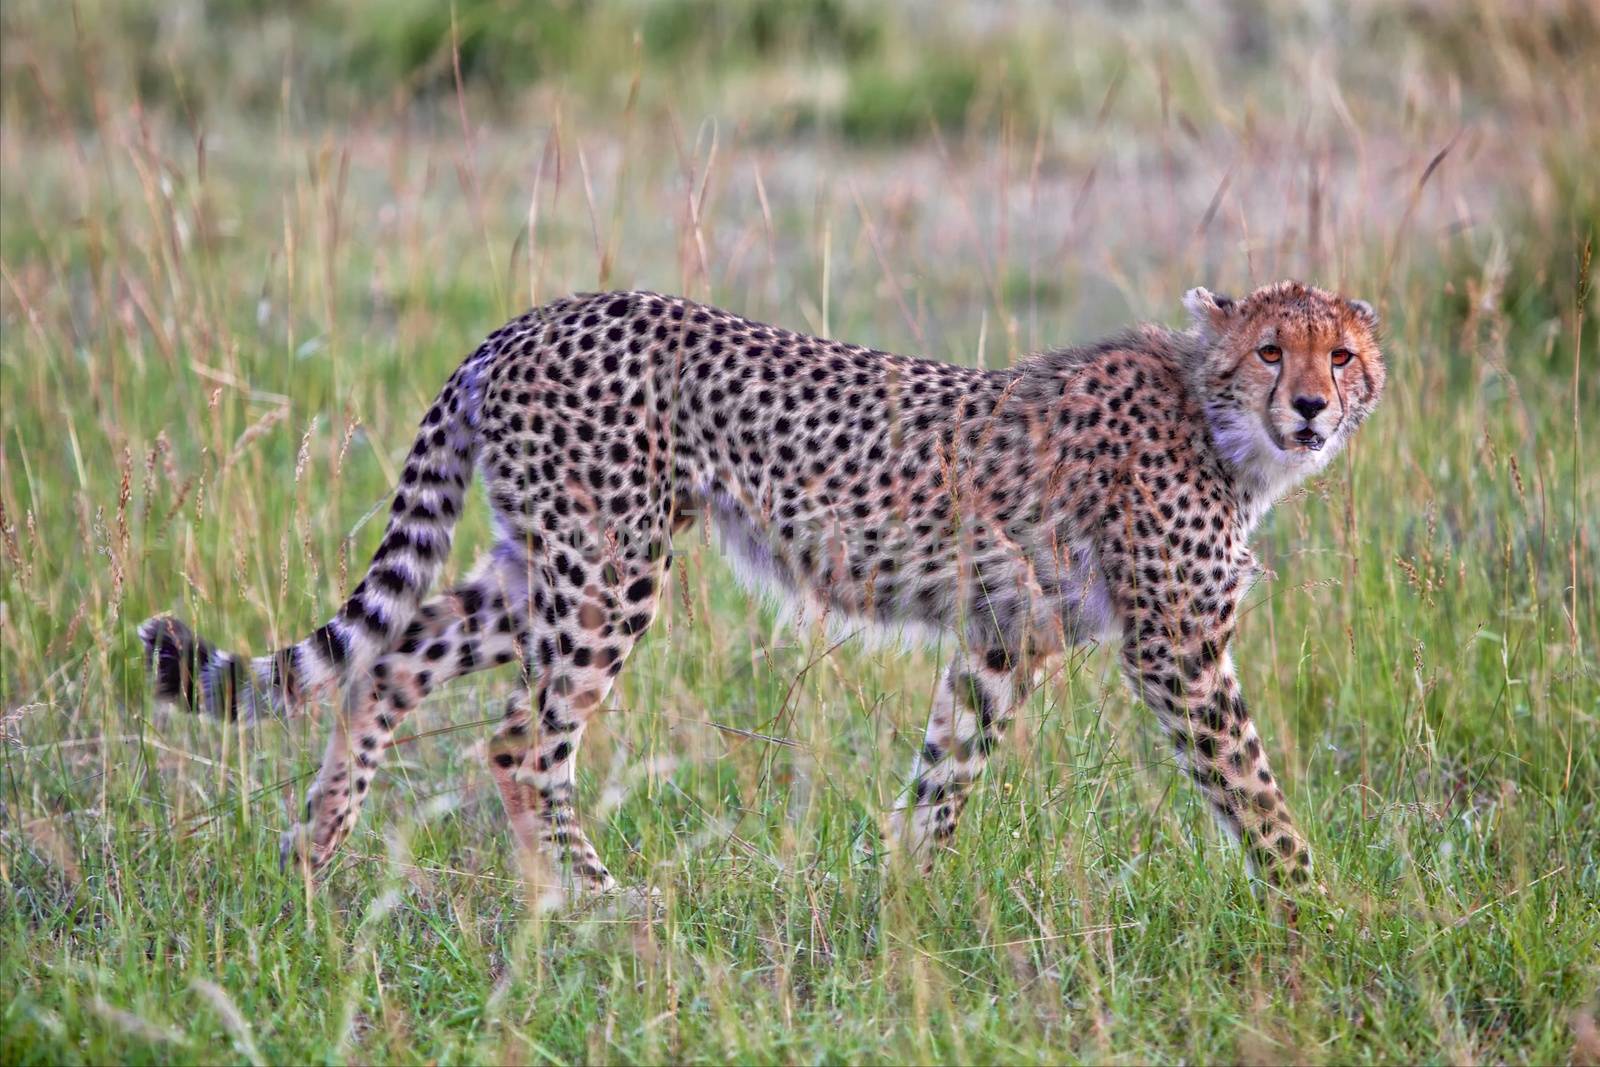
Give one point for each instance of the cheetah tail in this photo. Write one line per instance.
(187, 669)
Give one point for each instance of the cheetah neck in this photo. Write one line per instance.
(1260, 471)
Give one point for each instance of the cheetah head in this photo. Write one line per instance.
(1287, 375)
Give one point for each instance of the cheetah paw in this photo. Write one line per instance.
(292, 845)
(629, 902)
(297, 845)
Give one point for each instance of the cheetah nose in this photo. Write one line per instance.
(1309, 406)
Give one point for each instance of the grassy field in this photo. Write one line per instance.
(241, 251)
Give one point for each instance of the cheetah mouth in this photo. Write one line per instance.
(1310, 440)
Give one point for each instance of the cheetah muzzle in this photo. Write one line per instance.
(1094, 493)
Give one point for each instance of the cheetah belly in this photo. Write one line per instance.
(1082, 603)
(747, 550)
(1067, 605)
(821, 596)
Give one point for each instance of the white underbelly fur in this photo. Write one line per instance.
(1081, 611)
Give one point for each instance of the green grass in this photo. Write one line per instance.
(221, 315)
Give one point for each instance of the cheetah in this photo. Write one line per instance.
(1098, 493)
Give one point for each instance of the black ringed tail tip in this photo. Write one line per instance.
(171, 654)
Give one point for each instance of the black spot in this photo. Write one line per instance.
(971, 690)
(366, 616)
(331, 643)
(388, 579)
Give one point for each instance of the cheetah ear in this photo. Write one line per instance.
(1208, 312)
(1365, 312)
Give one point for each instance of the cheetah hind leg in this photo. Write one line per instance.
(532, 753)
(971, 711)
(472, 627)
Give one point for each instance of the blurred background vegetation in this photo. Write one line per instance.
(863, 71)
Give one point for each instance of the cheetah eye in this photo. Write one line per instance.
(1341, 356)
(1269, 353)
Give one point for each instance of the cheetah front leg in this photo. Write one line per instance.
(977, 697)
(471, 627)
(1190, 683)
